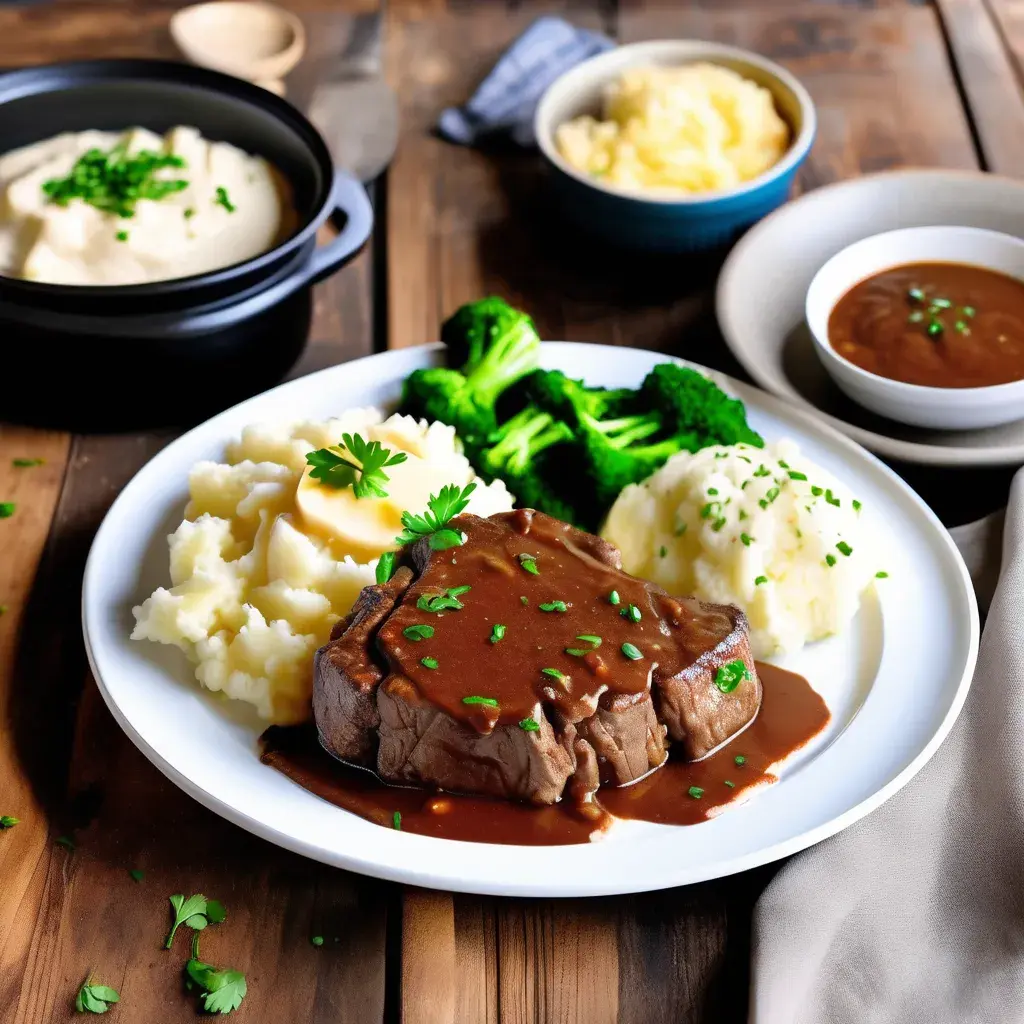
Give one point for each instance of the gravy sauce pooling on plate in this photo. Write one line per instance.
(681, 793)
(119, 208)
(945, 325)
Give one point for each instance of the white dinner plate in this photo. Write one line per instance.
(894, 681)
(764, 282)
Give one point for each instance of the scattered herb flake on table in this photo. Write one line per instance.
(94, 998)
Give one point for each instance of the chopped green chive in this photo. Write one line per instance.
(222, 199)
(613, 597)
(916, 317)
(189, 213)
(318, 940)
(941, 303)
(662, 551)
(429, 662)
(631, 652)
(122, 236)
(396, 821)
(579, 652)
(844, 549)
(739, 760)
(488, 702)
(935, 328)
(969, 312)
(832, 499)
(418, 633)
(881, 575)
(745, 459)
(784, 465)
(794, 475)
(762, 470)
(817, 491)
(961, 327)
(524, 600)
(729, 676)
(731, 785)
(744, 485)
(631, 612)
(743, 515)
(438, 603)
(7, 509)
(712, 508)
(712, 491)
(25, 463)
(718, 524)
(759, 580)
(746, 539)
(137, 875)
(830, 560)
(679, 530)
(529, 564)
(497, 632)
(915, 295)
(554, 673)
(590, 639)
(8, 821)
(696, 792)
(857, 505)
(554, 606)
(529, 725)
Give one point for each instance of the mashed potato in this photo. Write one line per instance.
(696, 128)
(763, 529)
(256, 585)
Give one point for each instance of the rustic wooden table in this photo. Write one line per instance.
(897, 82)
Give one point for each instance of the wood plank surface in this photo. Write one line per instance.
(67, 769)
(891, 79)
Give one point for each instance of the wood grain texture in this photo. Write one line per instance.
(990, 75)
(65, 766)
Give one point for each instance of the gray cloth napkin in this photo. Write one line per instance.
(505, 100)
(915, 915)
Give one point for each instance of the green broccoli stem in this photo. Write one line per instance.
(524, 437)
(626, 430)
(510, 358)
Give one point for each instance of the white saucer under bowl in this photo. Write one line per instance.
(763, 287)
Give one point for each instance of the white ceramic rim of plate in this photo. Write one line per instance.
(604, 65)
(918, 452)
(469, 867)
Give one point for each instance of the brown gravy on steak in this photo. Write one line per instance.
(791, 714)
(541, 654)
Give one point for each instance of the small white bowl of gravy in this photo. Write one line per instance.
(925, 325)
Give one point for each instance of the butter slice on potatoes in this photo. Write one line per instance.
(364, 527)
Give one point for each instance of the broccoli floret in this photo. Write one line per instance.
(525, 453)
(622, 436)
(567, 399)
(693, 404)
(490, 347)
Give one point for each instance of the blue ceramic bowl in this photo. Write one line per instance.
(655, 223)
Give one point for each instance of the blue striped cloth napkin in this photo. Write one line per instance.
(505, 100)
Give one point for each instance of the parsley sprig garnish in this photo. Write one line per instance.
(355, 461)
(93, 998)
(196, 912)
(442, 508)
(220, 991)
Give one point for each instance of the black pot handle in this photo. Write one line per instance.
(348, 196)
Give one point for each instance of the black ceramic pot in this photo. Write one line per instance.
(167, 352)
